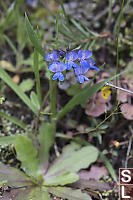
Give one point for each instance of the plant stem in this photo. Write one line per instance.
(53, 102)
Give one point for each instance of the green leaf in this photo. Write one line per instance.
(109, 166)
(27, 193)
(13, 120)
(64, 179)
(7, 79)
(72, 160)
(74, 89)
(27, 154)
(21, 35)
(82, 97)
(6, 140)
(39, 194)
(92, 184)
(79, 27)
(37, 76)
(26, 85)
(13, 177)
(10, 43)
(33, 36)
(46, 138)
(34, 100)
(69, 193)
(17, 194)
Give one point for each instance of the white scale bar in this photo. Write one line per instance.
(120, 88)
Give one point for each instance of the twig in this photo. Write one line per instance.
(98, 126)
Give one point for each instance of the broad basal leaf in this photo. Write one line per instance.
(72, 160)
(39, 194)
(61, 180)
(27, 193)
(91, 184)
(13, 177)
(6, 140)
(27, 154)
(69, 193)
(17, 194)
(46, 138)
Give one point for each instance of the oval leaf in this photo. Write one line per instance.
(27, 154)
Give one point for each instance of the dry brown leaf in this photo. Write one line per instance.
(127, 110)
(122, 96)
(94, 173)
(95, 109)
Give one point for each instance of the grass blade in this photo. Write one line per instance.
(7, 79)
(13, 120)
(36, 72)
(109, 167)
(33, 36)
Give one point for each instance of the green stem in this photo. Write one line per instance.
(53, 102)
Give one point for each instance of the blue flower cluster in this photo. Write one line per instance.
(71, 59)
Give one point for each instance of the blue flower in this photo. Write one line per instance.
(83, 57)
(70, 57)
(73, 58)
(52, 56)
(82, 78)
(79, 71)
(92, 64)
(58, 68)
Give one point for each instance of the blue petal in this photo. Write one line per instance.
(85, 65)
(82, 78)
(95, 68)
(71, 56)
(83, 69)
(77, 70)
(92, 64)
(55, 76)
(80, 70)
(57, 66)
(91, 61)
(71, 64)
(85, 78)
(59, 76)
(52, 56)
(83, 55)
